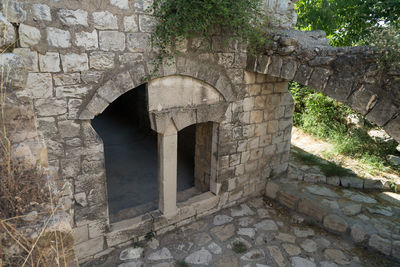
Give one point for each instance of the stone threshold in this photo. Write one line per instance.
(312, 174)
(371, 220)
(124, 231)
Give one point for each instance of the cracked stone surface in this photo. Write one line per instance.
(279, 240)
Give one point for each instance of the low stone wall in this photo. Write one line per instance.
(367, 219)
(311, 174)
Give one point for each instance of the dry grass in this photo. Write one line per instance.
(25, 240)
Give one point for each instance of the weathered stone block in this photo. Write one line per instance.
(28, 35)
(138, 42)
(381, 244)
(40, 85)
(112, 41)
(352, 182)
(288, 200)
(80, 234)
(58, 38)
(41, 12)
(393, 128)
(289, 69)
(47, 126)
(318, 78)
(358, 233)
(335, 223)
(105, 20)
(303, 74)
(50, 62)
(75, 62)
(147, 23)
(313, 209)
(333, 180)
(67, 79)
(142, 5)
(70, 167)
(102, 60)
(29, 57)
(131, 24)
(256, 116)
(90, 247)
(69, 129)
(124, 82)
(97, 105)
(122, 4)
(13, 11)
(73, 17)
(7, 33)
(396, 249)
(382, 112)
(272, 190)
(87, 40)
(109, 92)
(50, 107)
(274, 68)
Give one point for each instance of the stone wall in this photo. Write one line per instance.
(82, 55)
(348, 74)
(24, 143)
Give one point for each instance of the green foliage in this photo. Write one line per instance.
(325, 118)
(149, 236)
(387, 41)
(239, 247)
(183, 263)
(347, 22)
(179, 20)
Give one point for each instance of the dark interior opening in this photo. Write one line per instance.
(130, 148)
(186, 153)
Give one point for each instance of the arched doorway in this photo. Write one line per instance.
(130, 148)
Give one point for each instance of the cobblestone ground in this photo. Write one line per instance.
(253, 234)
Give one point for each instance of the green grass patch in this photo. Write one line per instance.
(325, 118)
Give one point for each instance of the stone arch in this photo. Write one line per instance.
(347, 74)
(134, 75)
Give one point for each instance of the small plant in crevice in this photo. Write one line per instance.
(149, 236)
(393, 186)
(239, 247)
(242, 21)
(182, 263)
(139, 244)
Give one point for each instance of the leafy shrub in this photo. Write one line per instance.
(346, 22)
(179, 20)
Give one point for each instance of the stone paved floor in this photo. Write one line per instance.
(253, 234)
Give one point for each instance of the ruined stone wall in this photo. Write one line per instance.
(350, 75)
(82, 55)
